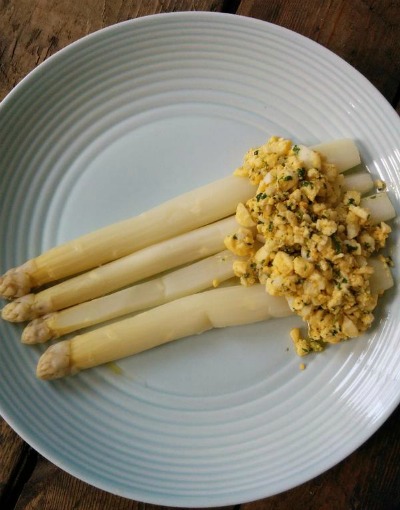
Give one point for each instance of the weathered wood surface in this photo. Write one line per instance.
(366, 34)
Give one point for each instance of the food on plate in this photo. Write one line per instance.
(177, 216)
(209, 272)
(190, 315)
(154, 259)
(296, 233)
(186, 212)
(309, 240)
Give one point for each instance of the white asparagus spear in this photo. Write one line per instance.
(379, 206)
(185, 248)
(381, 279)
(184, 213)
(177, 319)
(342, 153)
(188, 280)
(190, 315)
(360, 181)
(181, 214)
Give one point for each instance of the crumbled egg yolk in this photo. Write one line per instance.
(380, 185)
(306, 239)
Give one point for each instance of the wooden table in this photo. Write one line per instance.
(366, 33)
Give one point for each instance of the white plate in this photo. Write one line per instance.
(120, 121)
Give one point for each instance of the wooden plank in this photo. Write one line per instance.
(17, 463)
(365, 33)
(32, 30)
(11, 449)
(50, 488)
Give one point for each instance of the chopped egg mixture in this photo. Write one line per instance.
(304, 238)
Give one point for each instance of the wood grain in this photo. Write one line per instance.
(32, 30)
(49, 488)
(12, 450)
(363, 32)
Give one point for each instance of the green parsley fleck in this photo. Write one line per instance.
(301, 172)
(261, 196)
(336, 244)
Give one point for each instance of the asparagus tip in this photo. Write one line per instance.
(15, 283)
(19, 310)
(37, 332)
(55, 362)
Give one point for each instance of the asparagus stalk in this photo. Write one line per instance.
(120, 273)
(360, 181)
(342, 153)
(190, 315)
(381, 279)
(379, 206)
(181, 214)
(176, 319)
(188, 280)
